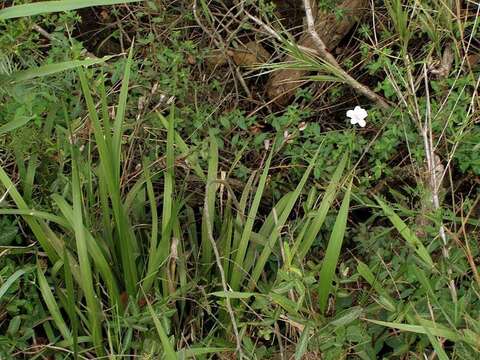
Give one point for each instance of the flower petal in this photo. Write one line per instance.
(362, 122)
(351, 113)
(361, 113)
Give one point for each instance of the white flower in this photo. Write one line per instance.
(357, 116)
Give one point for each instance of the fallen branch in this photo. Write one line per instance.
(328, 57)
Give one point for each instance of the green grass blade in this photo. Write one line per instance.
(237, 274)
(169, 351)
(120, 116)
(45, 7)
(267, 250)
(189, 154)
(29, 178)
(196, 352)
(212, 186)
(125, 244)
(303, 245)
(51, 69)
(10, 281)
(158, 258)
(269, 224)
(70, 297)
(52, 305)
(37, 214)
(94, 313)
(226, 235)
(302, 345)
(151, 266)
(101, 261)
(49, 242)
(16, 123)
(437, 330)
(333, 251)
(406, 233)
(385, 299)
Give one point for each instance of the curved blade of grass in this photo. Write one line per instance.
(50, 69)
(406, 233)
(437, 330)
(333, 251)
(52, 305)
(384, 298)
(237, 274)
(47, 239)
(11, 280)
(303, 245)
(267, 250)
(14, 124)
(101, 262)
(169, 351)
(302, 345)
(36, 214)
(44, 7)
(109, 158)
(94, 313)
(269, 223)
(427, 287)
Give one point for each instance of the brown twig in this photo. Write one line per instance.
(328, 57)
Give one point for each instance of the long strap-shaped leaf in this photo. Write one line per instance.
(267, 250)
(406, 233)
(45, 7)
(303, 244)
(247, 230)
(109, 151)
(51, 69)
(212, 186)
(84, 261)
(333, 251)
